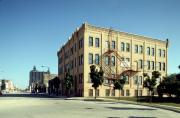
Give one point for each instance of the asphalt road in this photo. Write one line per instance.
(39, 107)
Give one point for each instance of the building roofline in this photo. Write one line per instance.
(117, 31)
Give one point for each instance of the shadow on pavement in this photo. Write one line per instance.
(129, 108)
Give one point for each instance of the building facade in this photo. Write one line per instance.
(7, 86)
(116, 52)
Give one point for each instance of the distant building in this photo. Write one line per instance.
(7, 85)
(39, 80)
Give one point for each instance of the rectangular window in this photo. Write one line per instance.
(122, 92)
(113, 92)
(153, 52)
(127, 93)
(159, 52)
(75, 62)
(127, 79)
(152, 63)
(107, 92)
(97, 92)
(122, 46)
(164, 66)
(140, 80)
(127, 47)
(135, 92)
(90, 92)
(81, 61)
(127, 59)
(136, 49)
(97, 42)
(97, 59)
(81, 43)
(140, 49)
(90, 58)
(122, 58)
(160, 66)
(140, 63)
(164, 53)
(107, 44)
(140, 92)
(113, 44)
(148, 64)
(107, 60)
(113, 60)
(75, 47)
(148, 51)
(90, 41)
(136, 80)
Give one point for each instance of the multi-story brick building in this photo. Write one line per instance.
(129, 52)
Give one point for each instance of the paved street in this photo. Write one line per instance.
(34, 107)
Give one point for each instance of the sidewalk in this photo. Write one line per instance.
(166, 107)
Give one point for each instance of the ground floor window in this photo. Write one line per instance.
(113, 92)
(90, 92)
(97, 92)
(140, 92)
(107, 92)
(135, 92)
(127, 93)
(122, 92)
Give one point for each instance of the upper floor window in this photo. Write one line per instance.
(148, 51)
(140, 80)
(113, 44)
(97, 42)
(122, 46)
(113, 60)
(90, 41)
(163, 53)
(97, 59)
(127, 47)
(159, 52)
(136, 49)
(152, 63)
(140, 49)
(148, 64)
(153, 52)
(164, 66)
(107, 44)
(107, 60)
(160, 66)
(75, 47)
(140, 63)
(80, 43)
(90, 58)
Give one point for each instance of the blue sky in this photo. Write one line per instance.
(31, 31)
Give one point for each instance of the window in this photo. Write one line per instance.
(122, 58)
(122, 92)
(140, 49)
(97, 59)
(160, 66)
(107, 60)
(140, 80)
(159, 52)
(107, 92)
(135, 93)
(148, 64)
(164, 66)
(81, 59)
(113, 60)
(152, 63)
(81, 43)
(136, 49)
(80, 78)
(127, 93)
(113, 44)
(90, 41)
(90, 92)
(136, 80)
(127, 47)
(97, 92)
(90, 58)
(75, 47)
(127, 59)
(107, 44)
(75, 62)
(163, 53)
(113, 92)
(122, 46)
(153, 52)
(140, 63)
(97, 42)
(148, 51)
(127, 79)
(140, 92)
